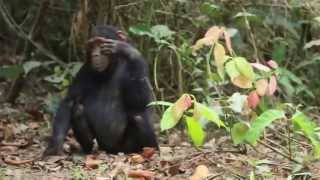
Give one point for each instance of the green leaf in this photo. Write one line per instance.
(209, 114)
(279, 52)
(195, 131)
(75, 68)
(239, 132)
(167, 120)
(162, 103)
(29, 65)
(244, 14)
(308, 127)
(140, 30)
(11, 72)
(244, 67)
(258, 126)
(161, 32)
(232, 70)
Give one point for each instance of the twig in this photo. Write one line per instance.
(279, 152)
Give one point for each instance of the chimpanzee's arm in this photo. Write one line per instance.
(62, 119)
(135, 83)
(61, 124)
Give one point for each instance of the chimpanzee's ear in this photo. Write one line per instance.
(122, 36)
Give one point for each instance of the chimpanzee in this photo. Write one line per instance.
(108, 99)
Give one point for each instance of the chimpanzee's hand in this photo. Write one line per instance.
(111, 46)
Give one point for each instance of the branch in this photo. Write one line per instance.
(17, 30)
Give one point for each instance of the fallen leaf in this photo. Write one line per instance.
(200, 173)
(137, 158)
(148, 152)
(17, 161)
(141, 174)
(91, 162)
(253, 99)
(33, 125)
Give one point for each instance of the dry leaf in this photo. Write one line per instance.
(200, 173)
(137, 158)
(17, 161)
(211, 37)
(91, 162)
(141, 174)
(148, 152)
(181, 105)
(33, 125)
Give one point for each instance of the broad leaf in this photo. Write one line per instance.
(242, 82)
(262, 87)
(232, 70)
(195, 131)
(140, 30)
(237, 102)
(209, 114)
(11, 72)
(162, 103)
(272, 87)
(253, 99)
(180, 106)
(161, 32)
(239, 132)
(308, 127)
(29, 65)
(167, 120)
(219, 58)
(244, 67)
(259, 125)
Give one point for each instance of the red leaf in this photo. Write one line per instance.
(253, 99)
(273, 64)
(260, 67)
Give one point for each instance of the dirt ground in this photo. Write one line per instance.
(24, 130)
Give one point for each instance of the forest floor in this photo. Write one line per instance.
(24, 130)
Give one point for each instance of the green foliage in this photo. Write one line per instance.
(259, 124)
(302, 123)
(11, 72)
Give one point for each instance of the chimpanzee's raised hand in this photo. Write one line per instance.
(122, 48)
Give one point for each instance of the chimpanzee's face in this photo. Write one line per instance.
(99, 60)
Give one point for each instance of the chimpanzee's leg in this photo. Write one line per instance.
(81, 129)
(139, 134)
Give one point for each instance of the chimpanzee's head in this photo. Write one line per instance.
(99, 57)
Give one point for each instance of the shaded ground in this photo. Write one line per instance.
(24, 129)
